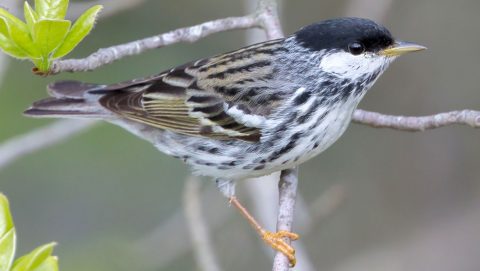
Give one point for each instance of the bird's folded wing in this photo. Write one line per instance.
(212, 97)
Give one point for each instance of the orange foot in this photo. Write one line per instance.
(277, 241)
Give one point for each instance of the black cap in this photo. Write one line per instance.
(339, 33)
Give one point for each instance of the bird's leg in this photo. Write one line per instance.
(274, 239)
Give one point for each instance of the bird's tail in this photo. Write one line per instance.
(69, 99)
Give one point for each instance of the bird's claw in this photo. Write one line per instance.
(276, 241)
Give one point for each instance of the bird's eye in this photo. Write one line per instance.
(356, 48)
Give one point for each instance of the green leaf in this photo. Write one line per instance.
(49, 34)
(19, 34)
(50, 264)
(9, 17)
(7, 250)
(6, 221)
(6, 44)
(3, 27)
(51, 9)
(31, 17)
(79, 31)
(11, 48)
(34, 259)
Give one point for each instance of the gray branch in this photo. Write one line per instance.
(190, 34)
(417, 124)
(287, 187)
(269, 19)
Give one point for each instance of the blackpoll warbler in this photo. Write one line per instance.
(250, 112)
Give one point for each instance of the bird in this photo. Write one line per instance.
(260, 109)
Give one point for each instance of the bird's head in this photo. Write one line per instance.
(352, 48)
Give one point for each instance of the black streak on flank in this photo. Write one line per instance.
(302, 98)
(303, 118)
(347, 90)
(283, 126)
(214, 150)
(231, 163)
(259, 167)
(319, 120)
(293, 141)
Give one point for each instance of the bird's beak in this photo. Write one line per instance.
(400, 48)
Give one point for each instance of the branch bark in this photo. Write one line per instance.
(190, 34)
(417, 124)
(288, 183)
(287, 187)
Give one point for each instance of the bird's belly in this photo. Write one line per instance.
(238, 159)
(283, 153)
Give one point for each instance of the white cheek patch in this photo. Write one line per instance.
(346, 65)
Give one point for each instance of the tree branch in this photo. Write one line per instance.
(417, 124)
(190, 34)
(269, 20)
(287, 187)
(288, 183)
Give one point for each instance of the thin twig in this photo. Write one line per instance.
(261, 194)
(287, 195)
(187, 34)
(269, 19)
(417, 124)
(197, 226)
(288, 183)
(41, 138)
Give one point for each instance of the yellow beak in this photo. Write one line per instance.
(400, 48)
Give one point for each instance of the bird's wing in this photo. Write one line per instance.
(222, 97)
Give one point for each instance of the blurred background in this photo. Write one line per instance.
(377, 200)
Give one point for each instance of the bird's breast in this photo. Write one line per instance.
(307, 129)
